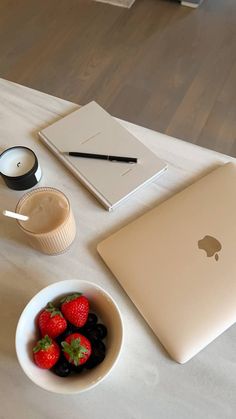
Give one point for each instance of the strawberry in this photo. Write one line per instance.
(76, 348)
(51, 321)
(46, 353)
(75, 308)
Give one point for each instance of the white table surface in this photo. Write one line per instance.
(146, 383)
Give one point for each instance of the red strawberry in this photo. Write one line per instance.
(75, 308)
(51, 321)
(46, 353)
(76, 348)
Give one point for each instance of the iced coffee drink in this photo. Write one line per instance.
(51, 225)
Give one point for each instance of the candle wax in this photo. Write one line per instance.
(17, 162)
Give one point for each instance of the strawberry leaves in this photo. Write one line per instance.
(75, 350)
(43, 344)
(71, 297)
(53, 310)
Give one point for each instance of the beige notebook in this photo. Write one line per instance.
(92, 130)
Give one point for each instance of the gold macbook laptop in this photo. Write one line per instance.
(177, 263)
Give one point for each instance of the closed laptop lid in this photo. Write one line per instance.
(177, 263)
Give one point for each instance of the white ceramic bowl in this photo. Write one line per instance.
(26, 334)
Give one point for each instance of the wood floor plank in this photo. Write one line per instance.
(193, 111)
(157, 64)
(220, 127)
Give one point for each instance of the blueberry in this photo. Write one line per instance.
(98, 331)
(93, 361)
(101, 330)
(77, 369)
(98, 347)
(97, 356)
(92, 333)
(87, 328)
(92, 319)
(62, 367)
(62, 337)
(71, 329)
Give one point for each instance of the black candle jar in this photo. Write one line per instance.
(19, 168)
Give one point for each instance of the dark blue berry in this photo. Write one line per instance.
(101, 330)
(71, 329)
(92, 319)
(62, 367)
(97, 331)
(77, 369)
(92, 333)
(93, 361)
(88, 327)
(97, 356)
(98, 347)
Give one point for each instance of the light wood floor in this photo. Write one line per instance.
(167, 67)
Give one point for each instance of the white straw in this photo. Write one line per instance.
(15, 215)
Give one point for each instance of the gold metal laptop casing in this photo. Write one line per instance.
(177, 263)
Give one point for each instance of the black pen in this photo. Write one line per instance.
(103, 157)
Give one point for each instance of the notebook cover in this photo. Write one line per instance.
(91, 129)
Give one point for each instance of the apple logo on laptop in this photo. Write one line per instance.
(211, 246)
